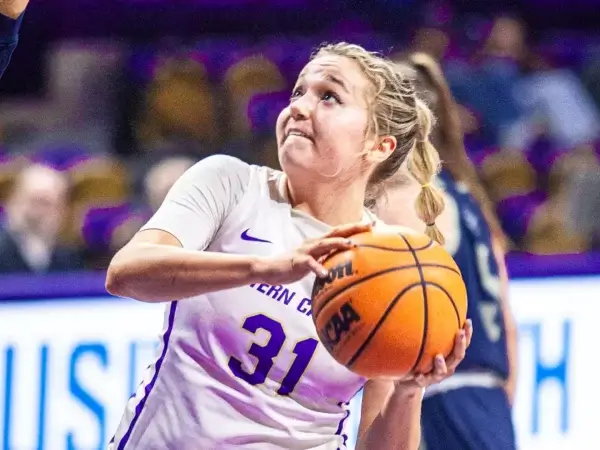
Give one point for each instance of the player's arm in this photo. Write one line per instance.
(509, 322)
(390, 418)
(165, 261)
(11, 15)
(154, 267)
(391, 410)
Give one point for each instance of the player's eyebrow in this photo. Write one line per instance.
(337, 81)
(332, 79)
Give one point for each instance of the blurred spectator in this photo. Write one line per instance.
(434, 35)
(553, 228)
(181, 101)
(78, 102)
(35, 210)
(161, 177)
(255, 74)
(507, 40)
(591, 79)
(519, 94)
(585, 201)
(179, 107)
(431, 40)
(584, 186)
(106, 229)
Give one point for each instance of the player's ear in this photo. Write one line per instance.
(382, 149)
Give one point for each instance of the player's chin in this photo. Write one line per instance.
(299, 155)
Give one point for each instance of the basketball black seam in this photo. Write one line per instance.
(451, 301)
(391, 249)
(371, 334)
(425, 305)
(388, 310)
(381, 247)
(374, 275)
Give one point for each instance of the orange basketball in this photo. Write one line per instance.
(390, 305)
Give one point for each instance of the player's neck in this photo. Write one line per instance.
(330, 204)
(396, 205)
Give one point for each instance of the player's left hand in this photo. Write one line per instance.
(442, 368)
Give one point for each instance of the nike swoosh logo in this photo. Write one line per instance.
(247, 237)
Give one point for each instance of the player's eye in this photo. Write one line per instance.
(296, 93)
(330, 96)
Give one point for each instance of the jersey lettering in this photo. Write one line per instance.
(488, 311)
(489, 280)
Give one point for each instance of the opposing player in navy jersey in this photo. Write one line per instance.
(11, 15)
(471, 409)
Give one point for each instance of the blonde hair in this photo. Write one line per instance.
(397, 111)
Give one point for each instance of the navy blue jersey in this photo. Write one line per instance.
(9, 30)
(474, 256)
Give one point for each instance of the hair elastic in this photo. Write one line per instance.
(432, 224)
(426, 185)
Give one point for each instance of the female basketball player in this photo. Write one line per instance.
(233, 249)
(470, 410)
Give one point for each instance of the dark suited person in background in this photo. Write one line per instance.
(34, 214)
(11, 15)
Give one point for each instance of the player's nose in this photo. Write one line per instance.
(301, 108)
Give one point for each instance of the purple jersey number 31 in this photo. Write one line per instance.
(304, 351)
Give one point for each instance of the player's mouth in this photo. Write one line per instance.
(296, 133)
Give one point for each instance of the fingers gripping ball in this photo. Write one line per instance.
(389, 305)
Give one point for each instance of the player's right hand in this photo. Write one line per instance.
(308, 257)
(442, 368)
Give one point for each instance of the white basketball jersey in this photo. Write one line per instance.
(241, 368)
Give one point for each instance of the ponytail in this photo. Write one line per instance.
(424, 165)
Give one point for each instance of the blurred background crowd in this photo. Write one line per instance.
(106, 104)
